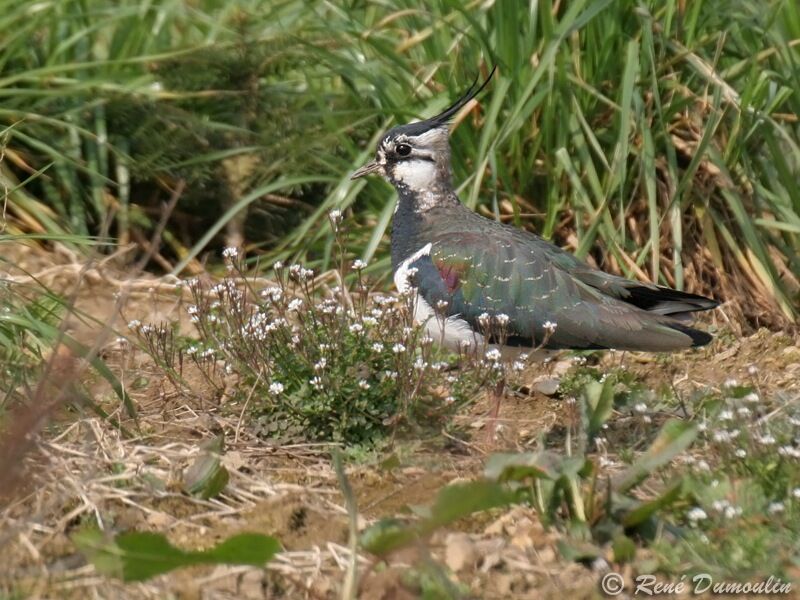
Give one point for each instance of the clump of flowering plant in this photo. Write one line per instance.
(334, 363)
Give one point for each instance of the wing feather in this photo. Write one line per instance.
(533, 282)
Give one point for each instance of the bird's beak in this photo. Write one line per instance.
(370, 167)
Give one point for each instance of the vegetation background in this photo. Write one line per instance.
(657, 139)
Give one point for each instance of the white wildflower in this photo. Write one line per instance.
(752, 397)
(398, 348)
(518, 365)
(420, 364)
(364, 384)
(766, 439)
(231, 252)
(370, 321)
(730, 383)
(277, 265)
(134, 325)
(775, 507)
(272, 293)
(335, 215)
(725, 436)
(484, 319)
(796, 492)
(502, 319)
(741, 453)
(441, 305)
(356, 328)
(275, 388)
(321, 364)
(390, 374)
(493, 355)
(696, 514)
(725, 415)
(789, 451)
(377, 347)
(752, 370)
(359, 264)
(550, 326)
(316, 382)
(640, 407)
(743, 411)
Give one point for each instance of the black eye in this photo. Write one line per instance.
(403, 149)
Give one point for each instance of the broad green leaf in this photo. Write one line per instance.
(140, 556)
(387, 535)
(532, 465)
(675, 437)
(207, 477)
(453, 502)
(647, 509)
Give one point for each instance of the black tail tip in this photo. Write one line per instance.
(699, 338)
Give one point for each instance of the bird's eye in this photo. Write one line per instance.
(403, 149)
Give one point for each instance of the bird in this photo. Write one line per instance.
(481, 283)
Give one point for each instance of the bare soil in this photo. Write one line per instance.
(84, 469)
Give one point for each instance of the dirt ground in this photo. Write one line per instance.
(84, 468)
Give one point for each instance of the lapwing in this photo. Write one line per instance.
(469, 271)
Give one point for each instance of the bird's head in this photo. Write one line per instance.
(416, 156)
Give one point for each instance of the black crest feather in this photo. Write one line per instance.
(444, 117)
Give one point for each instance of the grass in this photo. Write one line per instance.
(659, 139)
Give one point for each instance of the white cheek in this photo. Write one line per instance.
(418, 175)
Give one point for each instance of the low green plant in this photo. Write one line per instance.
(565, 488)
(23, 343)
(745, 490)
(138, 556)
(322, 362)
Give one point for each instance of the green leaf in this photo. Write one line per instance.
(459, 500)
(624, 549)
(453, 502)
(138, 556)
(531, 465)
(675, 436)
(647, 509)
(599, 398)
(207, 477)
(575, 550)
(387, 535)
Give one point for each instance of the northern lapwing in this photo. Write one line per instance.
(470, 271)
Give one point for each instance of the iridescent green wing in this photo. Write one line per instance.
(497, 271)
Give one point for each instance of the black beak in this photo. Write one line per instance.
(370, 167)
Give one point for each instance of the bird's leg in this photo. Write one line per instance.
(497, 396)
